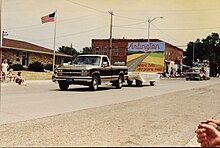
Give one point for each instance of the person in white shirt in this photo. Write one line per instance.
(5, 67)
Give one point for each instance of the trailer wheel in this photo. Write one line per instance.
(94, 84)
(119, 82)
(138, 83)
(63, 85)
(151, 83)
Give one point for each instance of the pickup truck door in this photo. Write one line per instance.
(106, 70)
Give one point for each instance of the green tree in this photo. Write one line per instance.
(86, 50)
(205, 49)
(69, 51)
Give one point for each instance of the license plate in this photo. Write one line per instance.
(69, 80)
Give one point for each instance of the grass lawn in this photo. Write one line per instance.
(30, 75)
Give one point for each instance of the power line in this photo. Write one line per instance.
(128, 18)
(189, 10)
(128, 27)
(167, 34)
(87, 7)
(193, 28)
(39, 25)
(125, 26)
(131, 24)
(61, 36)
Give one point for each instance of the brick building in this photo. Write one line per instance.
(172, 54)
(24, 53)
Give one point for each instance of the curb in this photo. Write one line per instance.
(193, 143)
(27, 82)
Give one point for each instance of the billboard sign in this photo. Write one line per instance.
(145, 57)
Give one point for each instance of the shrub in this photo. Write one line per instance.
(36, 66)
(48, 67)
(16, 67)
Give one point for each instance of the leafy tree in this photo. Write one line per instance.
(69, 51)
(86, 50)
(205, 49)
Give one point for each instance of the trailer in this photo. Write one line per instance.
(140, 78)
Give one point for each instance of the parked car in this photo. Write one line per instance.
(195, 74)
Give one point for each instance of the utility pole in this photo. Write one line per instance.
(1, 36)
(193, 52)
(110, 39)
(149, 21)
(1, 33)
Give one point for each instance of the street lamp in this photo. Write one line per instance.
(149, 21)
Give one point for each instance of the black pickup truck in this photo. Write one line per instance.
(91, 70)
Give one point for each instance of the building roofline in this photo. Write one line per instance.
(152, 40)
(26, 46)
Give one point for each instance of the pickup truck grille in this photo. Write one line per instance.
(70, 72)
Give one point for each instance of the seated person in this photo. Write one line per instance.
(11, 75)
(19, 79)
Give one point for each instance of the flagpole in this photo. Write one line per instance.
(1, 40)
(54, 42)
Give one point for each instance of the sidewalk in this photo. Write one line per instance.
(193, 143)
(27, 82)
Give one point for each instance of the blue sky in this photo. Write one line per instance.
(79, 21)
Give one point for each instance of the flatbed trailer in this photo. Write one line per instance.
(141, 78)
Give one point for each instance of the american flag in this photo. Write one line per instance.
(48, 18)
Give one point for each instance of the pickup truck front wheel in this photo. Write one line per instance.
(94, 84)
(119, 82)
(63, 85)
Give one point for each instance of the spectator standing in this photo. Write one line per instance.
(5, 67)
(172, 72)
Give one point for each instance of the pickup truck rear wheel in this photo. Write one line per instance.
(119, 82)
(129, 82)
(63, 85)
(94, 84)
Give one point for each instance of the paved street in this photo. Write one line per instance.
(43, 99)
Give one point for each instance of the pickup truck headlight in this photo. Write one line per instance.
(59, 70)
(84, 73)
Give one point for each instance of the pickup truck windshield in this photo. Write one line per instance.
(88, 60)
